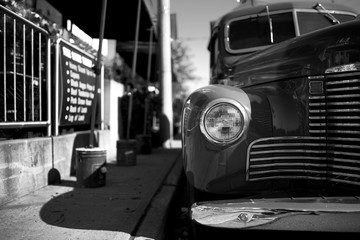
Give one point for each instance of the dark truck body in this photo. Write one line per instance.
(273, 143)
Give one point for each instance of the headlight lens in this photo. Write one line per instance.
(223, 121)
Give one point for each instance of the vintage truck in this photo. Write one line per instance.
(272, 145)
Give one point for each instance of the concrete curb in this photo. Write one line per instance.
(154, 224)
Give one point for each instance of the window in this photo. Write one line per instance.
(255, 31)
(309, 21)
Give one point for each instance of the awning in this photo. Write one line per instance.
(120, 24)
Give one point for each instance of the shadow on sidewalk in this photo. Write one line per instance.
(98, 208)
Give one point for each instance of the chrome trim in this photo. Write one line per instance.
(316, 111)
(343, 89)
(316, 97)
(343, 81)
(343, 103)
(345, 181)
(344, 110)
(347, 153)
(344, 124)
(289, 158)
(213, 104)
(287, 151)
(344, 160)
(293, 177)
(316, 104)
(287, 144)
(343, 139)
(317, 124)
(317, 131)
(316, 77)
(344, 131)
(344, 96)
(344, 117)
(345, 175)
(252, 212)
(317, 117)
(288, 164)
(316, 87)
(290, 171)
(304, 157)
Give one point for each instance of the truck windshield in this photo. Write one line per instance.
(255, 31)
(309, 21)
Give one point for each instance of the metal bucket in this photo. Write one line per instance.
(90, 167)
(126, 152)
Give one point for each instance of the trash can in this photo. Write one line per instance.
(126, 152)
(90, 167)
(144, 145)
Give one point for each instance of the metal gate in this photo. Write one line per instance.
(25, 75)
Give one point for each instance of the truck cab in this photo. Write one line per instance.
(250, 28)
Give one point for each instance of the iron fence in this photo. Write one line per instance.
(25, 75)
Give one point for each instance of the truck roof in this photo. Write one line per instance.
(240, 10)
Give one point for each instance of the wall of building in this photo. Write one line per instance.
(113, 91)
(25, 164)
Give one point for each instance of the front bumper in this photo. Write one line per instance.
(315, 214)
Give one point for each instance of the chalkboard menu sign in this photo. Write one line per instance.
(76, 85)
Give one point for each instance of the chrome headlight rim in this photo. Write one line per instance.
(214, 103)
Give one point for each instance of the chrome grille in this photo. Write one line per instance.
(343, 127)
(287, 157)
(331, 152)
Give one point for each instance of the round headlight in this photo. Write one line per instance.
(223, 121)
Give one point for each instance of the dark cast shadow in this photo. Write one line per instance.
(92, 208)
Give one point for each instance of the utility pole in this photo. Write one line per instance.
(166, 118)
(133, 72)
(98, 73)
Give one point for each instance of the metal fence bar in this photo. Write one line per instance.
(32, 75)
(57, 80)
(48, 87)
(14, 69)
(40, 80)
(24, 72)
(4, 67)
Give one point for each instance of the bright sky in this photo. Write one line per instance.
(193, 24)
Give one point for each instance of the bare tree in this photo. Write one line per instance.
(183, 68)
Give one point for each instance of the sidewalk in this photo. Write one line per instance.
(132, 204)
